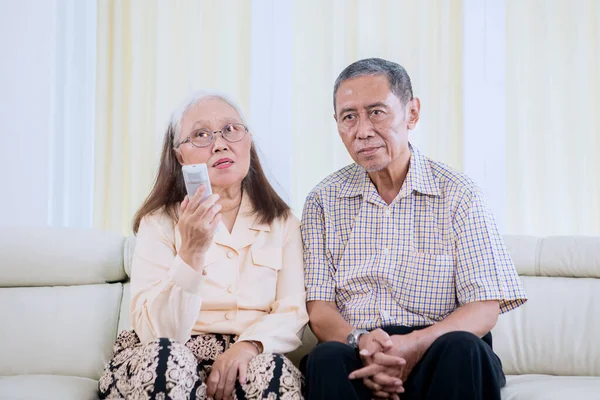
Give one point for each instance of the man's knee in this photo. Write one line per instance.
(459, 344)
(461, 339)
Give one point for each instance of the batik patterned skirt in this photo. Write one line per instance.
(164, 369)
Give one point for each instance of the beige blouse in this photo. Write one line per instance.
(252, 284)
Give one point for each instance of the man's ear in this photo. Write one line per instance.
(335, 117)
(414, 112)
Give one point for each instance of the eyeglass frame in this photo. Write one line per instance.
(188, 139)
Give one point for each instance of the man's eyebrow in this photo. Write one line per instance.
(376, 104)
(347, 109)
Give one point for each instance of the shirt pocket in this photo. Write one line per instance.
(266, 264)
(427, 285)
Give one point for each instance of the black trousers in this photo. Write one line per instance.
(457, 366)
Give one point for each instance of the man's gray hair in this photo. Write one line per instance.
(396, 74)
(195, 98)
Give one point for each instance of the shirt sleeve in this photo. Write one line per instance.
(165, 291)
(318, 268)
(485, 270)
(281, 330)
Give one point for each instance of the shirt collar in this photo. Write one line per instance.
(419, 179)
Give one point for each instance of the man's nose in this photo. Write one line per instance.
(364, 129)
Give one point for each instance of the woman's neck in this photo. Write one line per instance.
(230, 200)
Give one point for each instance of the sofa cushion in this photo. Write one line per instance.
(545, 387)
(59, 256)
(67, 330)
(556, 256)
(555, 332)
(47, 387)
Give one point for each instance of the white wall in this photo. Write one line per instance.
(27, 77)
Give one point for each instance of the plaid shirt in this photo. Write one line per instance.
(413, 262)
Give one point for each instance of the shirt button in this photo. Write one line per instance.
(230, 289)
(385, 314)
(386, 251)
(230, 254)
(387, 212)
(204, 272)
(230, 314)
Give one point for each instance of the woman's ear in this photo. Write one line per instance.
(179, 156)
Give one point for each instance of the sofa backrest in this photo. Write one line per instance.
(63, 299)
(557, 331)
(60, 295)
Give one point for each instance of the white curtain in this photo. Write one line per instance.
(279, 59)
(151, 55)
(552, 117)
(423, 36)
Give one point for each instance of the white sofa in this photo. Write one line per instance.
(64, 297)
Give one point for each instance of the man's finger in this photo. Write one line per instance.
(381, 395)
(388, 360)
(369, 346)
(384, 380)
(382, 339)
(365, 372)
(374, 387)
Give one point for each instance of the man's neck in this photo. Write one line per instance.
(389, 180)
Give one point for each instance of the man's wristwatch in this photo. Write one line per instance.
(354, 336)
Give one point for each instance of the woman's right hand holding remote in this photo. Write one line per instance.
(198, 220)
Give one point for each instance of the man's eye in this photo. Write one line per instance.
(376, 112)
(349, 117)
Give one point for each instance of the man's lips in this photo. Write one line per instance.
(368, 150)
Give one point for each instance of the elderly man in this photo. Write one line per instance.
(406, 272)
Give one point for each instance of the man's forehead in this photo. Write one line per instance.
(363, 90)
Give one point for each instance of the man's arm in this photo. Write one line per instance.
(326, 322)
(477, 318)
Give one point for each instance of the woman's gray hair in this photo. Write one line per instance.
(396, 75)
(195, 98)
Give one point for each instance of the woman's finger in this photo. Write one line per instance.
(214, 224)
(230, 381)
(243, 373)
(196, 198)
(212, 382)
(205, 205)
(211, 213)
(184, 204)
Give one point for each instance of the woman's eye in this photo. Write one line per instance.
(200, 134)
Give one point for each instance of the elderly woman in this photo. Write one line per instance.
(217, 292)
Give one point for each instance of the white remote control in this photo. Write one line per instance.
(195, 175)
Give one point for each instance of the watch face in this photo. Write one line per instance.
(351, 340)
